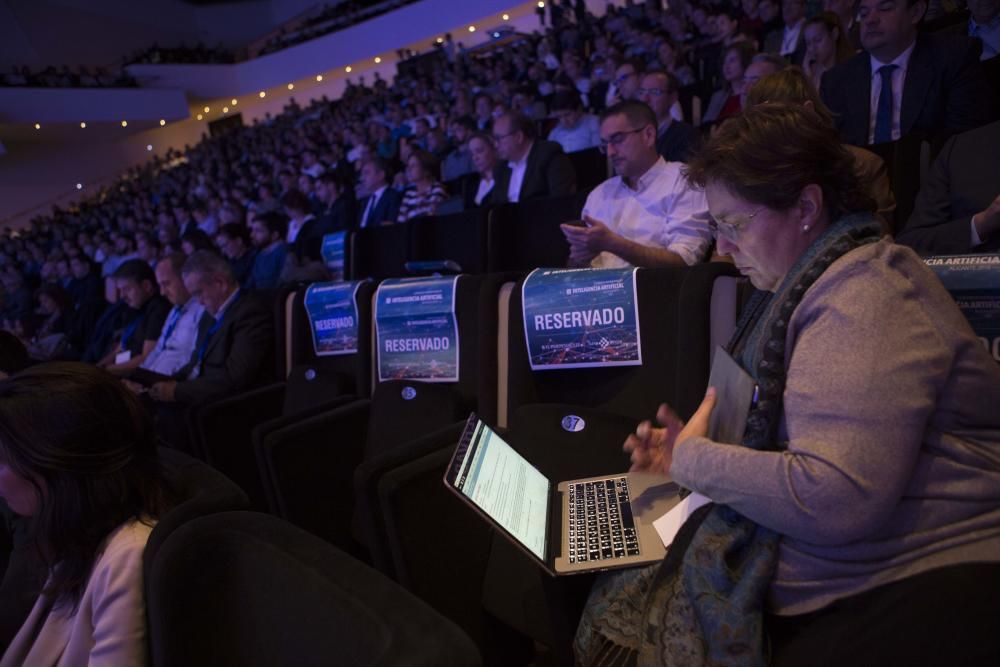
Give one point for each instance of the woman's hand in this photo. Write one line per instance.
(652, 448)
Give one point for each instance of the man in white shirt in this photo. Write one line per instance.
(647, 215)
(176, 345)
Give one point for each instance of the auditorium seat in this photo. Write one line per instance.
(906, 160)
(591, 166)
(526, 235)
(226, 429)
(249, 589)
(459, 237)
(379, 252)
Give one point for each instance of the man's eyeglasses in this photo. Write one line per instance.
(619, 80)
(652, 92)
(500, 137)
(617, 138)
(731, 230)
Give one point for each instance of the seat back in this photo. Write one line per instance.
(249, 589)
(905, 162)
(526, 235)
(591, 166)
(676, 325)
(459, 237)
(379, 252)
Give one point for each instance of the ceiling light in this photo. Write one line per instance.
(38, 126)
(79, 186)
(149, 147)
(162, 122)
(377, 60)
(506, 17)
(225, 109)
(319, 77)
(541, 5)
(234, 102)
(472, 28)
(83, 126)
(207, 109)
(124, 123)
(348, 69)
(199, 116)
(291, 86)
(262, 94)
(440, 40)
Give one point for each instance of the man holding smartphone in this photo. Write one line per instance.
(646, 215)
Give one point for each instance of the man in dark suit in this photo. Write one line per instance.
(674, 139)
(528, 167)
(235, 345)
(339, 208)
(936, 82)
(381, 206)
(958, 208)
(789, 41)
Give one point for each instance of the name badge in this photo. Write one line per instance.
(123, 357)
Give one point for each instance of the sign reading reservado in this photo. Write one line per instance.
(333, 317)
(416, 329)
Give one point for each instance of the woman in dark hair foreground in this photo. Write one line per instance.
(78, 458)
(858, 521)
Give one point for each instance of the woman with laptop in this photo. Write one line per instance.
(858, 521)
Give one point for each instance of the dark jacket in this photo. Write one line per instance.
(238, 356)
(386, 208)
(677, 142)
(549, 173)
(945, 90)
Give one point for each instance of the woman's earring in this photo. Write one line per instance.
(805, 228)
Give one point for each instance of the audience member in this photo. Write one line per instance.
(576, 130)
(790, 41)
(725, 102)
(845, 11)
(338, 205)
(193, 241)
(529, 167)
(675, 139)
(934, 83)
(477, 188)
(826, 46)
(984, 25)
(458, 162)
(791, 86)
(235, 245)
(646, 215)
(381, 203)
(176, 344)
(267, 231)
(80, 469)
(235, 348)
(838, 529)
(136, 283)
(760, 66)
(958, 208)
(425, 192)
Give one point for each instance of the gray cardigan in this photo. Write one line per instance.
(892, 418)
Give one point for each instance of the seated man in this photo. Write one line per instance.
(175, 347)
(576, 130)
(674, 139)
(234, 242)
(235, 348)
(647, 215)
(528, 168)
(381, 205)
(933, 83)
(958, 208)
(136, 284)
(458, 162)
(267, 231)
(338, 206)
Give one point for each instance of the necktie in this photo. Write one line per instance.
(883, 114)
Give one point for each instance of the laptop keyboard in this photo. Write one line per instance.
(601, 526)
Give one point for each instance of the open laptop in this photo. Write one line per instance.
(569, 527)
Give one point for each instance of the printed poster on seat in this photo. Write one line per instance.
(581, 318)
(416, 329)
(974, 283)
(333, 317)
(333, 252)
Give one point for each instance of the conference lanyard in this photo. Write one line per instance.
(130, 331)
(175, 317)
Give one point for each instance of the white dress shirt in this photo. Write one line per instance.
(664, 211)
(175, 347)
(484, 188)
(989, 35)
(901, 62)
(517, 170)
(294, 226)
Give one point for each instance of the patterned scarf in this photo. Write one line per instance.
(704, 603)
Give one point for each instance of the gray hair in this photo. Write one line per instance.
(208, 263)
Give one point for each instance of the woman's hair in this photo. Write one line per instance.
(790, 85)
(771, 151)
(831, 22)
(86, 445)
(428, 163)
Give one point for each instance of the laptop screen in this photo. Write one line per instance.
(501, 483)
